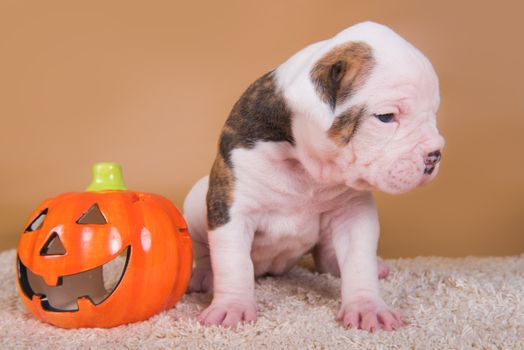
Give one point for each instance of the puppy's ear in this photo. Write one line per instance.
(336, 73)
(342, 70)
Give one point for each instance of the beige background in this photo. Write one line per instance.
(149, 85)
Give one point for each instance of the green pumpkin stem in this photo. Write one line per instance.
(107, 177)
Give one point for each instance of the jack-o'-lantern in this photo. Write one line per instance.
(104, 257)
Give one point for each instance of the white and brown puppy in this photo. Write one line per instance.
(298, 158)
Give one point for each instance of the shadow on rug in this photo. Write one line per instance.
(470, 303)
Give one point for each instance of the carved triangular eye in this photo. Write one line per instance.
(53, 246)
(38, 222)
(93, 215)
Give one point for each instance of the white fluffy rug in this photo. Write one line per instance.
(467, 303)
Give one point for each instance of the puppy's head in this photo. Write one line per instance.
(366, 102)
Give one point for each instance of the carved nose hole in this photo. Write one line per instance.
(53, 246)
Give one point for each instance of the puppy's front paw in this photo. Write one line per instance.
(369, 314)
(201, 281)
(229, 313)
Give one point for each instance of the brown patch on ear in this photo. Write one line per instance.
(345, 125)
(220, 193)
(341, 71)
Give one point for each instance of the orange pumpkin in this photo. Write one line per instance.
(74, 242)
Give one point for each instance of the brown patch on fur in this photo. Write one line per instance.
(261, 114)
(345, 125)
(220, 194)
(341, 71)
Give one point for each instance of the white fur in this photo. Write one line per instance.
(289, 200)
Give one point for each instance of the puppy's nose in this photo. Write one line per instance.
(431, 161)
(432, 158)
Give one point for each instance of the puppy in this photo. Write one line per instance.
(298, 157)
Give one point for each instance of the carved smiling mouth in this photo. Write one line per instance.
(96, 284)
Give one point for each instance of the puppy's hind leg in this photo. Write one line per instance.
(326, 260)
(383, 268)
(325, 257)
(195, 214)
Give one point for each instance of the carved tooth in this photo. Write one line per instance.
(52, 281)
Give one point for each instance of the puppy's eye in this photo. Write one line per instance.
(385, 118)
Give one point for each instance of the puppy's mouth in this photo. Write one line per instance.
(361, 184)
(95, 285)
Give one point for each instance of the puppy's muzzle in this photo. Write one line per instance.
(431, 161)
